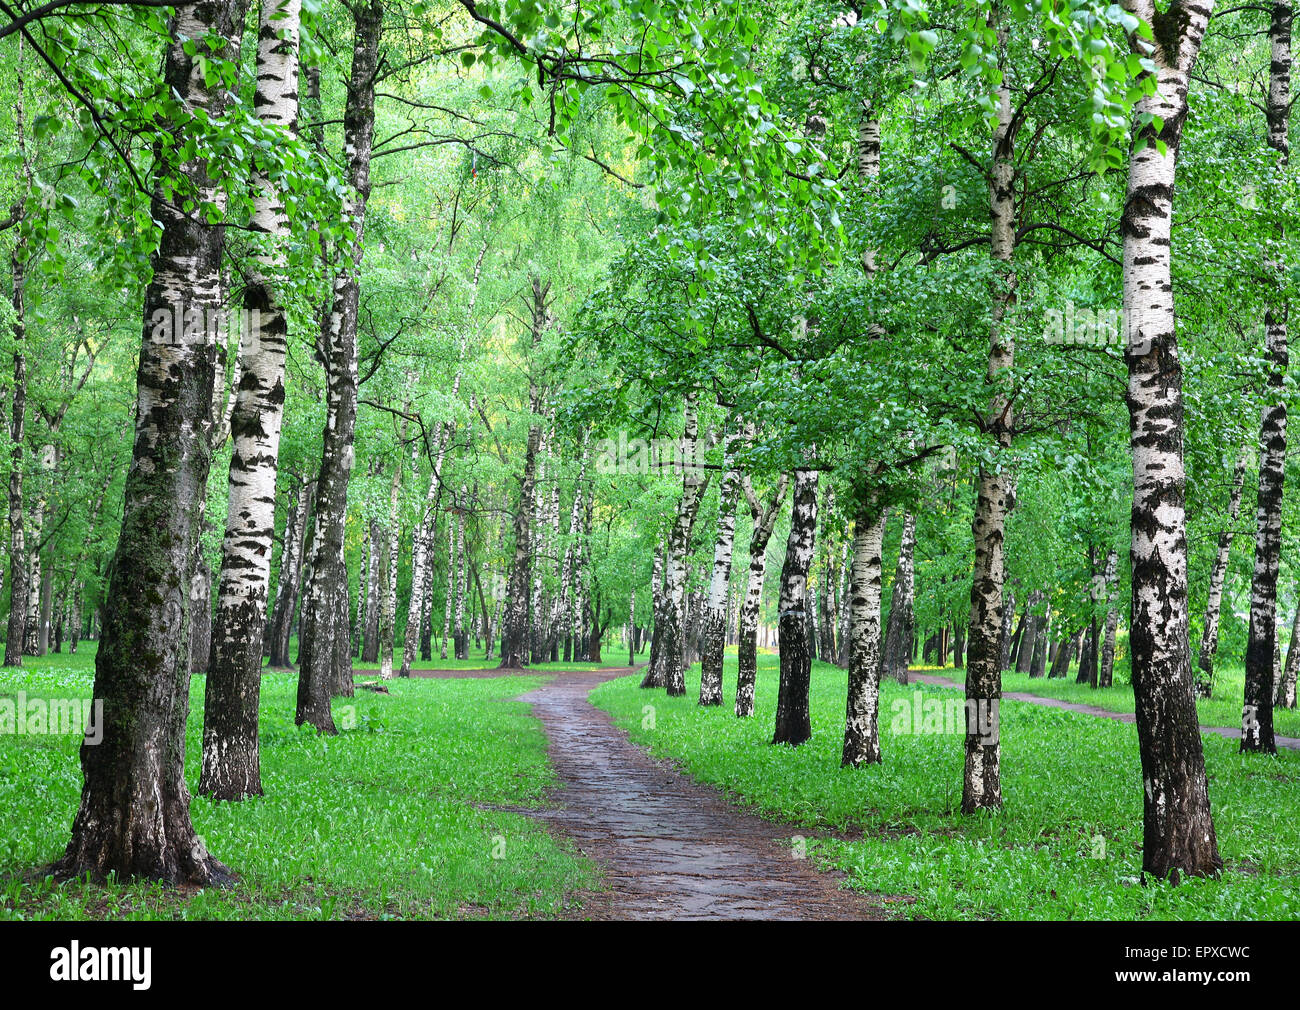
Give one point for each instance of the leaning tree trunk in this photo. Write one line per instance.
(793, 724)
(324, 660)
(861, 721)
(1262, 645)
(231, 763)
(899, 632)
(1214, 598)
(982, 777)
(1178, 828)
(134, 815)
(715, 615)
(764, 517)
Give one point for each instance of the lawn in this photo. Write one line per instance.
(381, 821)
(1223, 709)
(1067, 845)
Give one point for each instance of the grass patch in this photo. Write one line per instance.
(391, 819)
(1066, 846)
(1223, 709)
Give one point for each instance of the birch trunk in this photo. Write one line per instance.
(1178, 829)
(231, 762)
(460, 639)
(16, 632)
(658, 599)
(1286, 694)
(374, 549)
(286, 597)
(715, 615)
(514, 624)
(672, 646)
(793, 724)
(861, 722)
(1214, 598)
(1262, 645)
(1105, 673)
(16, 636)
(325, 668)
(134, 814)
(764, 517)
(449, 597)
(982, 777)
(900, 630)
(388, 574)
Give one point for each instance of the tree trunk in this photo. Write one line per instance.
(1105, 673)
(900, 630)
(1178, 829)
(134, 815)
(672, 645)
(1286, 695)
(374, 547)
(462, 567)
(1214, 598)
(1032, 632)
(514, 624)
(657, 602)
(388, 566)
(1262, 646)
(231, 764)
(286, 597)
(16, 636)
(861, 721)
(325, 667)
(793, 725)
(715, 615)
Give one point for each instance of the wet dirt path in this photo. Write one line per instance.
(934, 680)
(669, 848)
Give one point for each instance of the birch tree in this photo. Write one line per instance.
(1178, 829)
(134, 816)
(231, 768)
(324, 662)
(715, 618)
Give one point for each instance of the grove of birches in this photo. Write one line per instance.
(349, 338)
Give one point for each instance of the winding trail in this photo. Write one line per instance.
(669, 847)
(934, 680)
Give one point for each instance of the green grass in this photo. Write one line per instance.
(1070, 782)
(1223, 709)
(379, 821)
